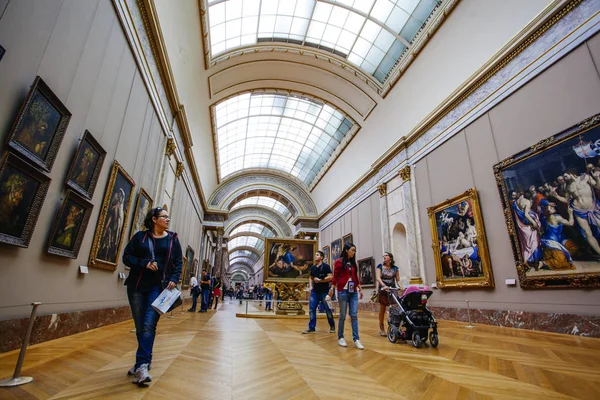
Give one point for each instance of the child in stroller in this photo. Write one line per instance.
(409, 317)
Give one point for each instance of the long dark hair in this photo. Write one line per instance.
(148, 222)
(345, 259)
(392, 263)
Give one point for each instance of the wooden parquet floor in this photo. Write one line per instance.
(218, 356)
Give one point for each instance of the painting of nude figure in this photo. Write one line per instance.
(288, 260)
(459, 243)
(550, 193)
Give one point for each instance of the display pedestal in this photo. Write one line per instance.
(290, 308)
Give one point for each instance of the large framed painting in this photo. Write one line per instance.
(327, 257)
(142, 207)
(22, 192)
(69, 226)
(86, 165)
(459, 245)
(366, 271)
(40, 126)
(550, 194)
(289, 260)
(336, 250)
(110, 228)
(346, 240)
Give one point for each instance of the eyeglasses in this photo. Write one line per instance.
(162, 216)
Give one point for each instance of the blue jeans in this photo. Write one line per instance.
(205, 299)
(316, 299)
(194, 302)
(268, 298)
(345, 299)
(145, 319)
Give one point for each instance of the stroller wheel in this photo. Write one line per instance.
(392, 333)
(434, 339)
(416, 340)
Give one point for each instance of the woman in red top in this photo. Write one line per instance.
(345, 279)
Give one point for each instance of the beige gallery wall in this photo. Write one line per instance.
(78, 47)
(563, 95)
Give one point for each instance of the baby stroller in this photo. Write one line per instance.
(409, 317)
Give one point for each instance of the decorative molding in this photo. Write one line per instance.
(255, 212)
(382, 189)
(539, 44)
(405, 173)
(179, 170)
(171, 146)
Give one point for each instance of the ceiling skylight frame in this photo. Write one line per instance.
(264, 201)
(422, 33)
(253, 229)
(272, 123)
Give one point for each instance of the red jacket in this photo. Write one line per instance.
(341, 275)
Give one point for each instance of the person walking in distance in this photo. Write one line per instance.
(345, 280)
(205, 287)
(320, 276)
(195, 290)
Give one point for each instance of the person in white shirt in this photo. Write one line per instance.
(195, 291)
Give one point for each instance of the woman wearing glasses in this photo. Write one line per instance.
(155, 259)
(388, 276)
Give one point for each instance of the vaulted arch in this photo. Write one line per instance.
(255, 226)
(260, 213)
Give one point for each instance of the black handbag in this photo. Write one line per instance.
(164, 283)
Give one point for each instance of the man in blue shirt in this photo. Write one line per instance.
(320, 276)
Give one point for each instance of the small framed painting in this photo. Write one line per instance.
(69, 226)
(22, 192)
(327, 252)
(86, 165)
(40, 126)
(143, 205)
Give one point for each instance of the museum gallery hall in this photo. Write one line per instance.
(300, 199)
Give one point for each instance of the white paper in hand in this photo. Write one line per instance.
(165, 300)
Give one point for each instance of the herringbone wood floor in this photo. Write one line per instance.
(218, 356)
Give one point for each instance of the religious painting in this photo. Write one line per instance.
(336, 250)
(69, 226)
(550, 195)
(459, 246)
(327, 257)
(366, 272)
(289, 260)
(22, 192)
(346, 240)
(188, 272)
(110, 228)
(40, 126)
(142, 207)
(86, 165)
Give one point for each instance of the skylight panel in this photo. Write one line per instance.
(371, 34)
(246, 241)
(255, 228)
(256, 138)
(266, 202)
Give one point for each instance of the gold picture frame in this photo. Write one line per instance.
(143, 204)
(108, 237)
(459, 244)
(347, 239)
(296, 255)
(327, 252)
(549, 197)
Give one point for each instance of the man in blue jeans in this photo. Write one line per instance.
(320, 276)
(205, 286)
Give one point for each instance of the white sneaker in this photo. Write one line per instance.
(142, 375)
(342, 342)
(359, 345)
(382, 332)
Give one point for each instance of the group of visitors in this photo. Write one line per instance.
(209, 288)
(344, 279)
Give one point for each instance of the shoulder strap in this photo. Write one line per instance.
(151, 247)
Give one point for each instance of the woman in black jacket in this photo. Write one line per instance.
(155, 259)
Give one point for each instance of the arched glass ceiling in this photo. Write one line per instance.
(242, 260)
(244, 253)
(371, 34)
(266, 202)
(285, 132)
(255, 228)
(246, 241)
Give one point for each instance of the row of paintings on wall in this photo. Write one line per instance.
(33, 144)
(550, 195)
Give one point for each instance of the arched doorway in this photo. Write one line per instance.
(400, 250)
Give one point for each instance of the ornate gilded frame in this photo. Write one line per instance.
(94, 261)
(371, 266)
(87, 138)
(87, 207)
(269, 259)
(135, 221)
(327, 252)
(572, 280)
(347, 239)
(13, 161)
(485, 281)
(40, 87)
